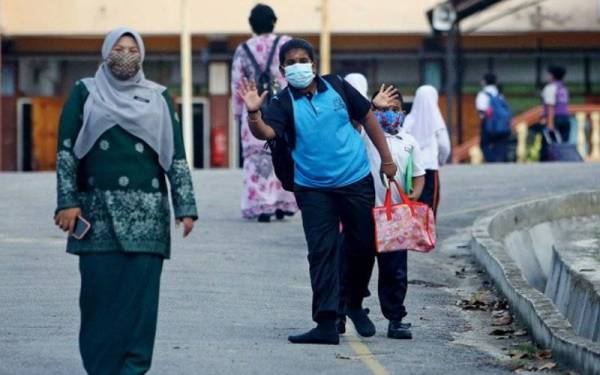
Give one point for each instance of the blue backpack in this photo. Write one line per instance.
(498, 124)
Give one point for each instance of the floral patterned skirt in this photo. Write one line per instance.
(262, 192)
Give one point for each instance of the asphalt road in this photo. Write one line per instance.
(234, 290)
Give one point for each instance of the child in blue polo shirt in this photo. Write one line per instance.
(332, 179)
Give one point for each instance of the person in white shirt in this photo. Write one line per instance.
(393, 281)
(404, 149)
(426, 125)
(555, 98)
(494, 148)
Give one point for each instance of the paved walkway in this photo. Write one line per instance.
(234, 290)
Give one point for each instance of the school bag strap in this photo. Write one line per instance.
(337, 83)
(281, 146)
(285, 98)
(272, 54)
(257, 69)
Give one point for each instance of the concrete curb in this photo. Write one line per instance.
(582, 307)
(546, 324)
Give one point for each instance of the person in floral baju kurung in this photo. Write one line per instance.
(119, 137)
(262, 194)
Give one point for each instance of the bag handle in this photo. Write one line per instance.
(388, 199)
(557, 136)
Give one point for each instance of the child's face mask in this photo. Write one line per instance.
(390, 121)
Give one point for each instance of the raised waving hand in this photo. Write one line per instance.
(249, 94)
(385, 96)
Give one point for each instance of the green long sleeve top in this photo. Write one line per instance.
(120, 186)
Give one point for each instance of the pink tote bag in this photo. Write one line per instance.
(403, 226)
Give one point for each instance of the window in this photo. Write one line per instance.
(8, 80)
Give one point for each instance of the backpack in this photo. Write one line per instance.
(281, 147)
(263, 79)
(498, 124)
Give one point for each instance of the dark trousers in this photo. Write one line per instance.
(392, 284)
(322, 211)
(119, 308)
(431, 190)
(494, 148)
(562, 123)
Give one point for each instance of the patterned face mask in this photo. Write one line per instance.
(390, 121)
(124, 65)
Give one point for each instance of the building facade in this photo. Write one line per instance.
(47, 46)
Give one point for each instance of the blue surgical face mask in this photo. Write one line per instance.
(299, 75)
(390, 121)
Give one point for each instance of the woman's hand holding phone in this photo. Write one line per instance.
(65, 219)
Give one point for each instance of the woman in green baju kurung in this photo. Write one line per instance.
(119, 137)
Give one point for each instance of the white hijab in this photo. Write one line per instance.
(136, 105)
(359, 82)
(425, 117)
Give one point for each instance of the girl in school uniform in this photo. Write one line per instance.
(426, 125)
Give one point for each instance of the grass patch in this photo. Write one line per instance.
(528, 348)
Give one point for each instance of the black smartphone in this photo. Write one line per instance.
(82, 227)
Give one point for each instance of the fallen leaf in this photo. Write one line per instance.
(471, 305)
(504, 321)
(519, 355)
(520, 333)
(544, 354)
(501, 305)
(502, 331)
(502, 318)
(547, 366)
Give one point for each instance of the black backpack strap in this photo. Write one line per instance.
(337, 83)
(288, 108)
(271, 55)
(257, 68)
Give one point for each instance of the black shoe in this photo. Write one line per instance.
(281, 214)
(364, 326)
(325, 334)
(264, 218)
(399, 330)
(340, 324)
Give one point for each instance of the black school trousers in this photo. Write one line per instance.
(341, 265)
